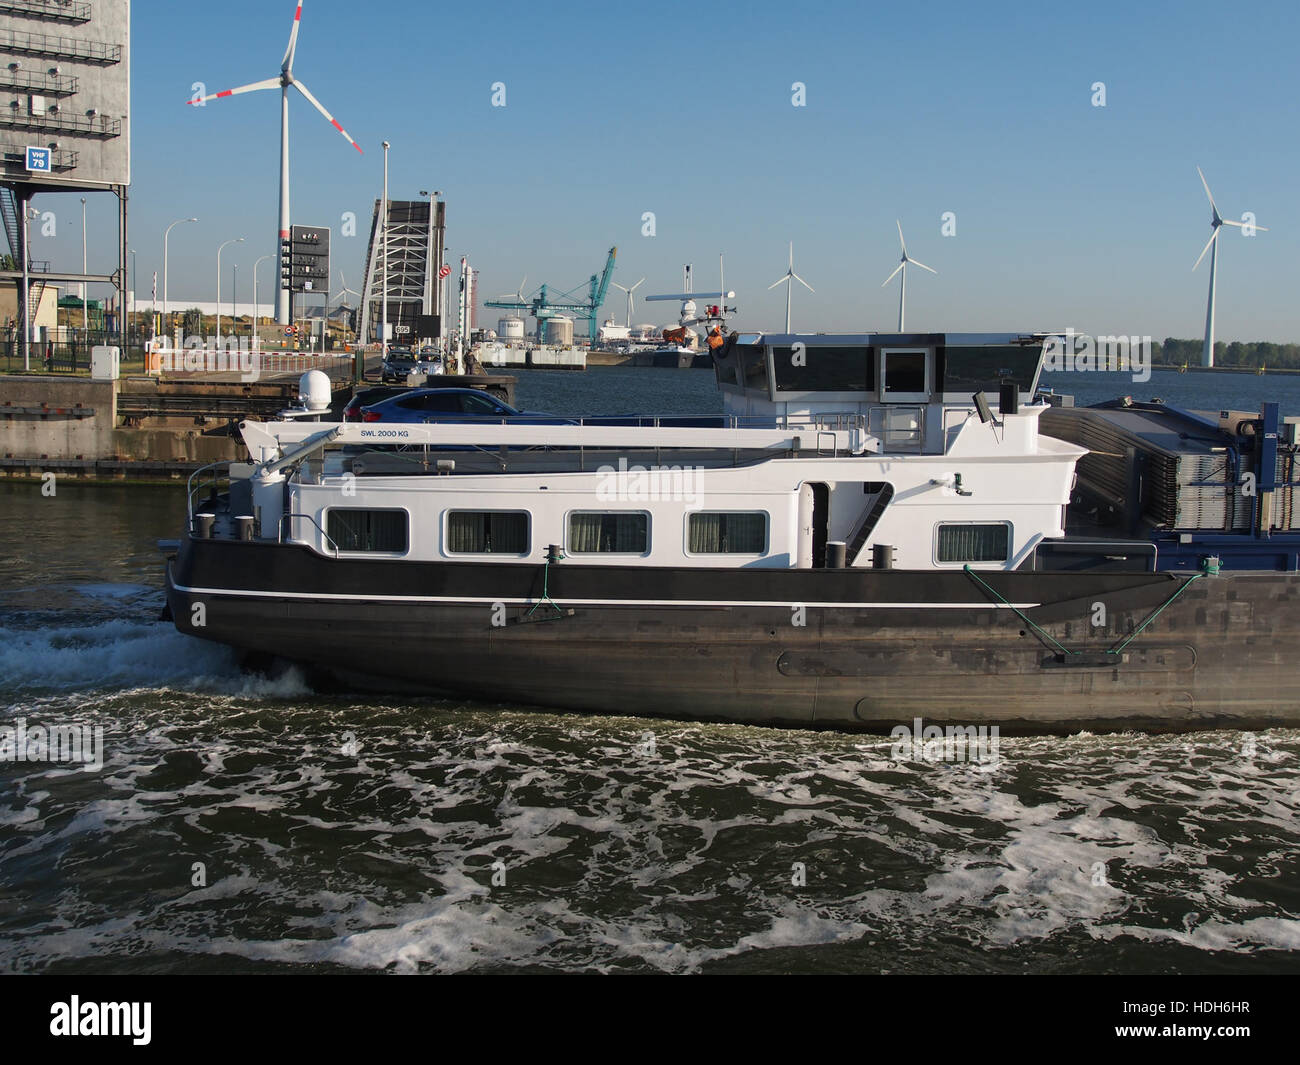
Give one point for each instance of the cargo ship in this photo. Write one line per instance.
(877, 528)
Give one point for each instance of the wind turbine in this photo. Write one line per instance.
(902, 291)
(283, 82)
(1212, 246)
(788, 279)
(629, 292)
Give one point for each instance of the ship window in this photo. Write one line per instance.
(484, 532)
(824, 369)
(727, 533)
(904, 373)
(961, 542)
(616, 533)
(753, 369)
(983, 369)
(368, 530)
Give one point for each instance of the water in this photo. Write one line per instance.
(339, 835)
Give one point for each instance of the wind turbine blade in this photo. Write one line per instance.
(893, 275)
(270, 83)
(779, 281)
(1208, 194)
(287, 62)
(923, 266)
(802, 282)
(1213, 237)
(332, 120)
(637, 285)
(1242, 225)
(901, 241)
(791, 255)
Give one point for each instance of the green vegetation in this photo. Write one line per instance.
(1250, 355)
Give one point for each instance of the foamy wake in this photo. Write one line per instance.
(126, 654)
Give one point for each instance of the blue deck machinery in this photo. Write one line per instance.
(1207, 492)
(543, 306)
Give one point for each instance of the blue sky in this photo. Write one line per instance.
(1067, 214)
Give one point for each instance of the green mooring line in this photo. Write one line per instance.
(1133, 635)
(1038, 630)
(1044, 634)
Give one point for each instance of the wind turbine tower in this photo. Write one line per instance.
(788, 279)
(902, 266)
(629, 292)
(283, 82)
(1212, 246)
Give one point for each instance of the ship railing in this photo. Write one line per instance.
(292, 539)
(898, 426)
(206, 477)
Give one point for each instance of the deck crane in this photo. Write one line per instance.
(542, 305)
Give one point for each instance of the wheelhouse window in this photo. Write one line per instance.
(984, 368)
(487, 532)
(378, 531)
(727, 533)
(609, 532)
(964, 542)
(905, 375)
(824, 369)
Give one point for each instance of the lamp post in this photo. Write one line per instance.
(383, 319)
(234, 302)
(130, 303)
(233, 240)
(253, 336)
(29, 212)
(166, 234)
(85, 313)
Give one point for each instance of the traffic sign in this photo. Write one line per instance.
(445, 271)
(40, 160)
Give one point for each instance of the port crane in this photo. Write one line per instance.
(543, 305)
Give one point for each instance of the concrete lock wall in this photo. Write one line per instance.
(65, 439)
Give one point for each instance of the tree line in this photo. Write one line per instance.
(1252, 354)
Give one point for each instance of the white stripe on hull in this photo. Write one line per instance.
(476, 600)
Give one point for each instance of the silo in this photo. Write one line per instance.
(559, 331)
(511, 328)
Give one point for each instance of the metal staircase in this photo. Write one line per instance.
(884, 494)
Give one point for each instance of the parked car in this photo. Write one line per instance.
(450, 405)
(367, 396)
(402, 362)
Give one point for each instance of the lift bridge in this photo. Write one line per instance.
(542, 304)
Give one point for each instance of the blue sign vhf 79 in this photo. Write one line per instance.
(40, 160)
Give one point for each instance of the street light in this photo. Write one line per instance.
(383, 320)
(29, 212)
(233, 240)
(166, 234)
(85, 314)
(253, 336)
(130, 304)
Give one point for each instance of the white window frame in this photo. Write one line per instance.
(649, 533)
(906, 397)
(767, 535)
(446, 524)
(341, 553)
(1011, 544)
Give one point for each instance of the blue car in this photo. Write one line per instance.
(451, 405)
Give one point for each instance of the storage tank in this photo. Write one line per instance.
(559, 331)
(511, 328)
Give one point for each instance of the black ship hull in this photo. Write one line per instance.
(850, 649)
